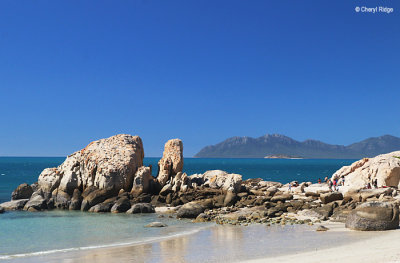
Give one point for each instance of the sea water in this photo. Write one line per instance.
(25, 233)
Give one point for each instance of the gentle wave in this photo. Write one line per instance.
(139, 242)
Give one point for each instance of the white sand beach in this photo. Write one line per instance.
(252, 244)
(384, 247)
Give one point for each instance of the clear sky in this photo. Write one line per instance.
(75, 71)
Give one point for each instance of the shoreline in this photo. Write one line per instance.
(225, 243)
(125, 244)
(256, 219)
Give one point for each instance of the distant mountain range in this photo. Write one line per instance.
(276, 144)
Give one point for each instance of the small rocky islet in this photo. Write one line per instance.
(108, 175)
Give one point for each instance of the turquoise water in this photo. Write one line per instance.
(26, 233)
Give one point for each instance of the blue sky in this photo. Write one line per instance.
(75, 71)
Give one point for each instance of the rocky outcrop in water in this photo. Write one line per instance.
(108, 176)
(14, 204)
(106, 164)
(90, 176)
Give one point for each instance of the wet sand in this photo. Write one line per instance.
(255, 243)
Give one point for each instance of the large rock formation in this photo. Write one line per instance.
(385, 168)
(106, 163)
(171, 162)
(374, 216)
(98, 171)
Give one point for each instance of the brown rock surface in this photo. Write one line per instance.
(23, 191)
(106, 163)
(142, 181)
(172, 161)
(374, 216)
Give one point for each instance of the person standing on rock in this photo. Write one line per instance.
(334, 185)
(376, 183)
(319, 180)
(290, 187)
(330, 184)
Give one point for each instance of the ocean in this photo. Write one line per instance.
(54, 231)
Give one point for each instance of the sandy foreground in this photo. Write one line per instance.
(384, 247)
(252, 244)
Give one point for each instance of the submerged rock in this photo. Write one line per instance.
(374, 216)
(322, 228)
(156, 224)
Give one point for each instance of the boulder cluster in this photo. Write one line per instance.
(108, 175)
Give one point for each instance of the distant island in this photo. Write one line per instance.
(282, 156)
(280, 145)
